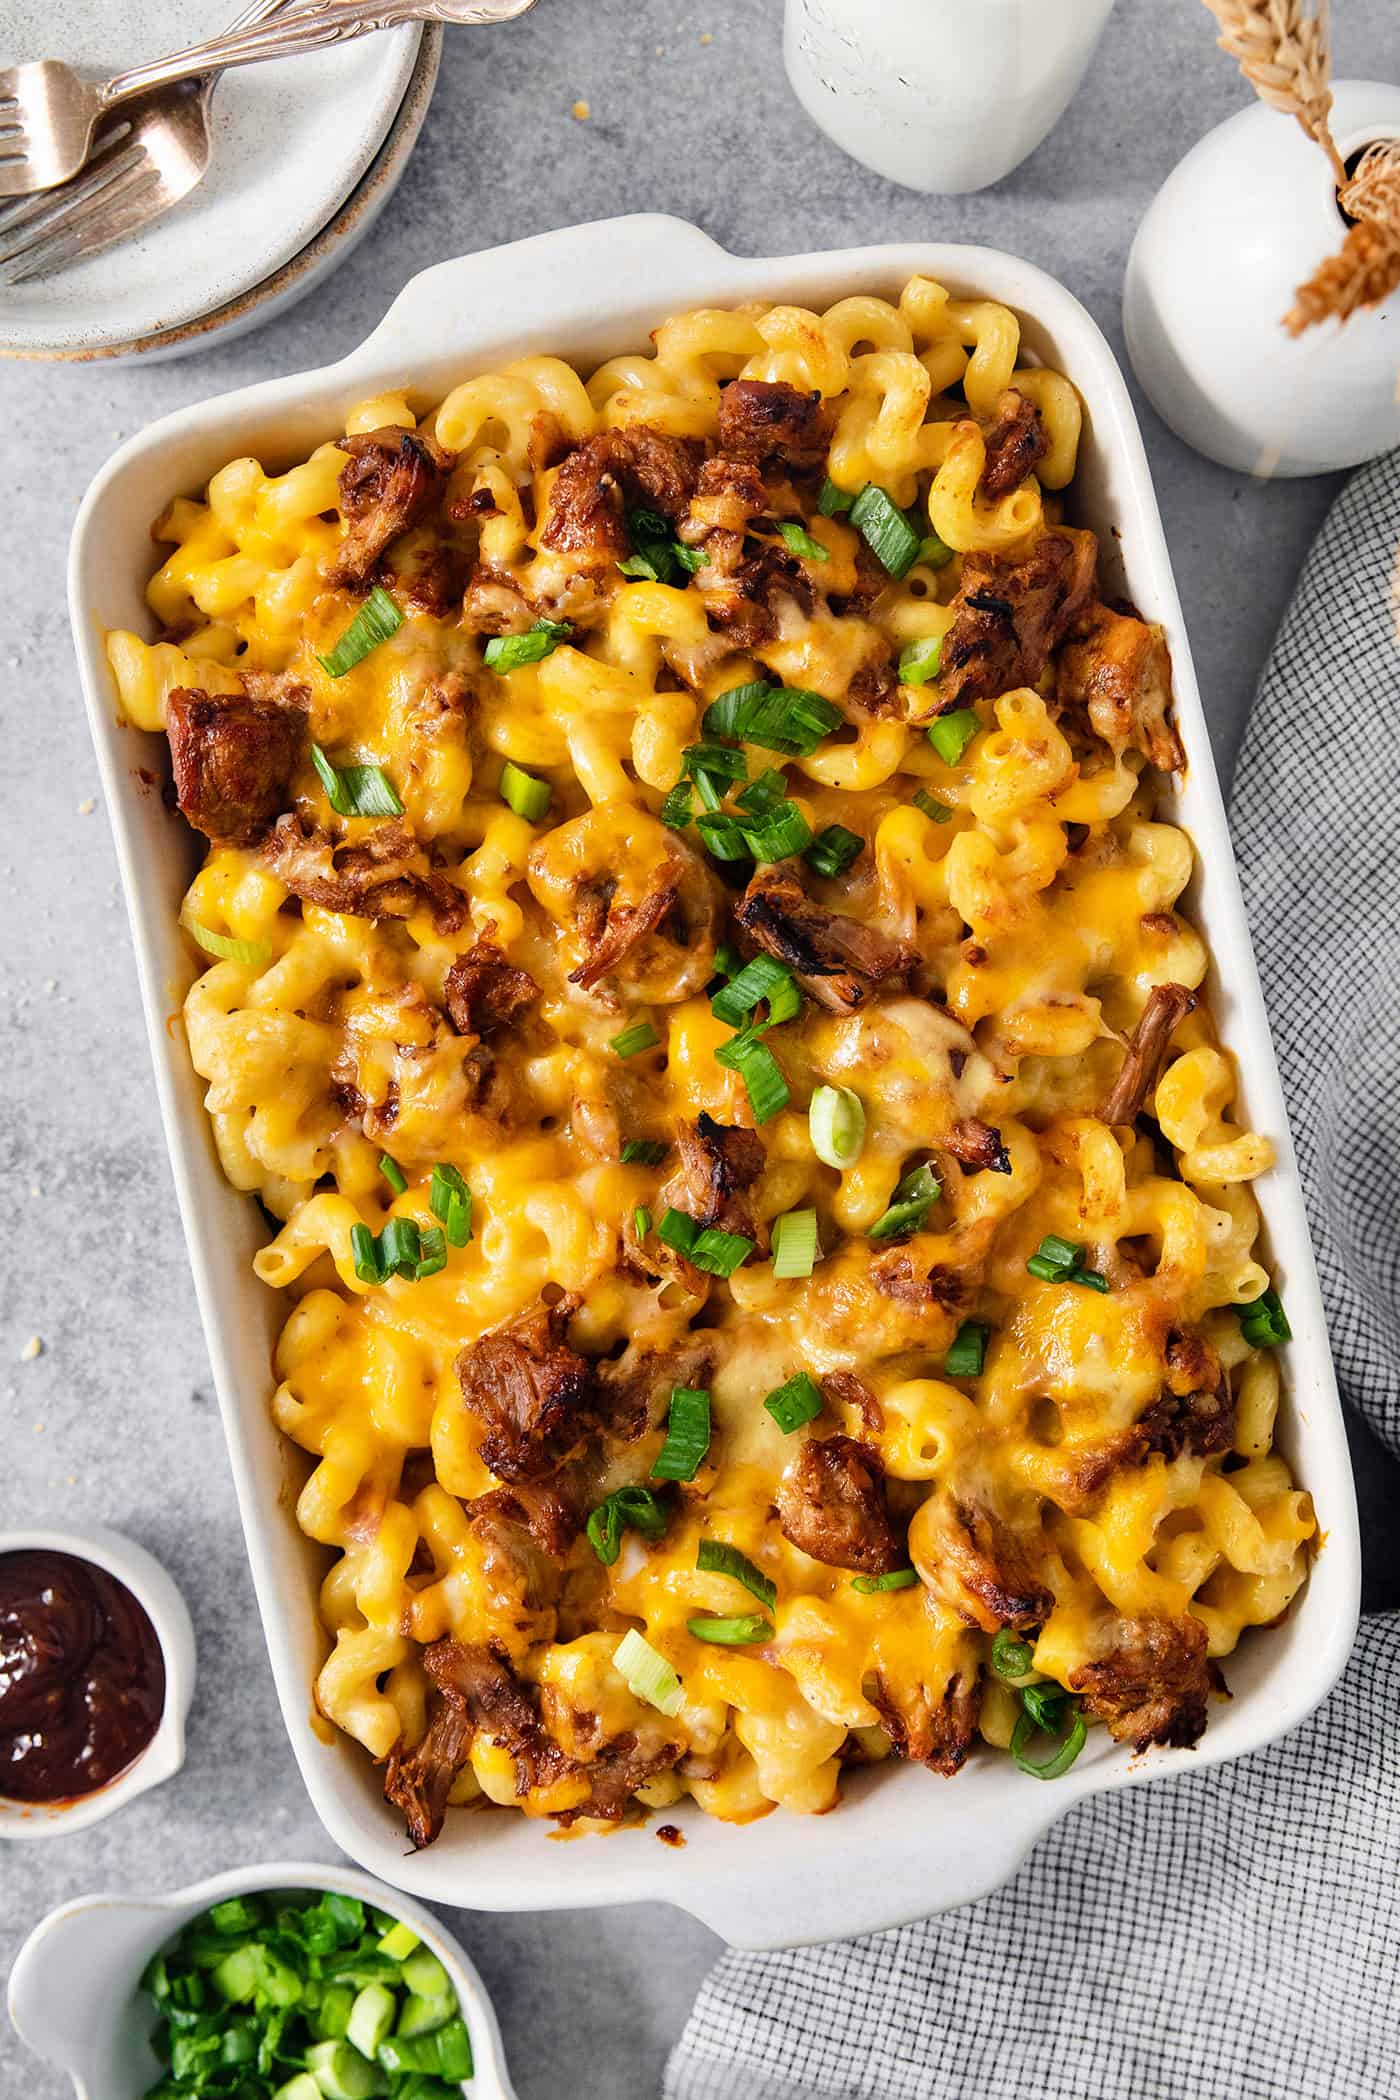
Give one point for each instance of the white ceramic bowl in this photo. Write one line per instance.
(74, 1989)
(904, 1843)
(163, 1756)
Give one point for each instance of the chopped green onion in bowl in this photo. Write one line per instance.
(303, 1996)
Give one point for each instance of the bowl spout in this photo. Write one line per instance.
(71, 1994)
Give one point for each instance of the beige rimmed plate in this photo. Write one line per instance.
(304, 153)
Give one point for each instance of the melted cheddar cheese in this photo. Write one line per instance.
(1106, 1488)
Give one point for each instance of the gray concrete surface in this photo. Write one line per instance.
(115, 1419)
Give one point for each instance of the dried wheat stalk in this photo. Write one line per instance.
(1283, 52)
(1366, 270)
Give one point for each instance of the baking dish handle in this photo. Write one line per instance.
(587, 269)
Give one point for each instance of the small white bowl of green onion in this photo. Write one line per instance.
(283, 1982)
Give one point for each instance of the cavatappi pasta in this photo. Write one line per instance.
(691, 957)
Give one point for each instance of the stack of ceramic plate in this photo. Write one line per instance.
(305, 154)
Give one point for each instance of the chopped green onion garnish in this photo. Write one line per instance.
(832, 850)
(450, 1201)
(677, 809)
(630, 1041)
(399, 1250)
(526, 795)
(897, 1579)
(1047, 1271)
(1061, 1758)
(937, 812)
(1045, 1705)
(836, 1120)
(1091, 1279)
(357, 791)
(722, 836)
(716, 1557)
(717, 1253)
(795, 1247)
(781, 833)
(365, 1248)
(951, 734)
(641, 1221)
(758, 980)
(796, 1402)
(731, 1633)
(375, 621)
(648, 1676)
(721, 761)
(968, 1350)
(507, 652)
(432, 1252)
(393, 1173)
(760, 1071)
(644, 1152)
(918, 661)
(934, 552)
(658, 556)
(798, 540)
(763, 794)
(913, 1199)
(625, 1509)
(728, 961)
(687, 1435)
(832, 500)
(1263, 1322)
(780, 718)
(1011, 1658)
(255, 953)
(400, 1247)
(885, 530)
(1066, 1254)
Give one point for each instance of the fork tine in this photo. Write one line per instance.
(27, 216)
(82, 233)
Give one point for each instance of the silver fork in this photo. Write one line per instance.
(153, 153)
(48, 113)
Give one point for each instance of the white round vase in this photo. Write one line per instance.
(1238, 225)
(941, 95)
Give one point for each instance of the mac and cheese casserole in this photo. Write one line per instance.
(692, 966)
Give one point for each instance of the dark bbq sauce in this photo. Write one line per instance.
(82, 1677)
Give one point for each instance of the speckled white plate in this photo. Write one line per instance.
(291, 141)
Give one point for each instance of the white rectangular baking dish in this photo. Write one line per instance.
(904, 1843)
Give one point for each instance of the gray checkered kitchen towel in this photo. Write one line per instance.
(1233, 1935)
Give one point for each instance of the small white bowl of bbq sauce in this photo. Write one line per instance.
(96, 1675)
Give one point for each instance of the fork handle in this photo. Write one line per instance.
(309, 28)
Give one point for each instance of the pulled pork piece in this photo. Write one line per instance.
(740, 601)
(586, 512)
(874, 684)
(762, 420)
(418, 1781)
(730, 495)
(719, 1163)
(634, 1389)
(1016, 444)
(937, 1734)
(1167, 1005)
(844, 1386)
(1195, 1413)
(621, 1766)
(390, 479)
(233, 756)
(531, 1391)
(839, 961)
(1152, 1686)
(480, 1680)
(375, 878)
(1120, 671)
(533, 1507)
(484, 991)
(977, 1146)
(610, 929)
(1009, 615)
(831, 1504)
(973, 1560)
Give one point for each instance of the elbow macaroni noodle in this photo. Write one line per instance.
(1040, 955)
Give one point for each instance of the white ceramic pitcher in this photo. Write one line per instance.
(941, 95)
